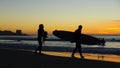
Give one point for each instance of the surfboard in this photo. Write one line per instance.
(69, 36)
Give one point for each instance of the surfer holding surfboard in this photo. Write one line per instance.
(41, 37)
(77, 35)
(78, 38)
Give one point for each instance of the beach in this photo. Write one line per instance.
(12, 58)
(56, 54)
(92, 56)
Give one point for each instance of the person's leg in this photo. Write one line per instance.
(80, 51)
(74, 50)
(40, 47)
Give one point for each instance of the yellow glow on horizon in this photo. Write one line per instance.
(114, 28)
(61, 15)
(31, 26)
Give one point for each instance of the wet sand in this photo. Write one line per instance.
(11, 58)
(93, 56)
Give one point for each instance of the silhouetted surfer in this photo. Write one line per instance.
(77, 34)
(41, 37)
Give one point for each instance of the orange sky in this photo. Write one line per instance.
(98, 17)
(109, 27)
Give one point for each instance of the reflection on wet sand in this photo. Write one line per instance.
(101, 57)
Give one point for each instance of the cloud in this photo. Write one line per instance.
(117, 21)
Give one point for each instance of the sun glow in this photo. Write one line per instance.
(61, 15)
(114, 28)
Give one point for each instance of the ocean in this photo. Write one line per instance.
(112, 45)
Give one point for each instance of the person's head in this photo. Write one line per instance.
(41, 26)
(80, 27)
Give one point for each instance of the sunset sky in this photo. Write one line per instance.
(96, 16)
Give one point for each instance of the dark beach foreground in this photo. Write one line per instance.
(11, 58)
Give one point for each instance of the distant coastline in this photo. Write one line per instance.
(8, 32)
